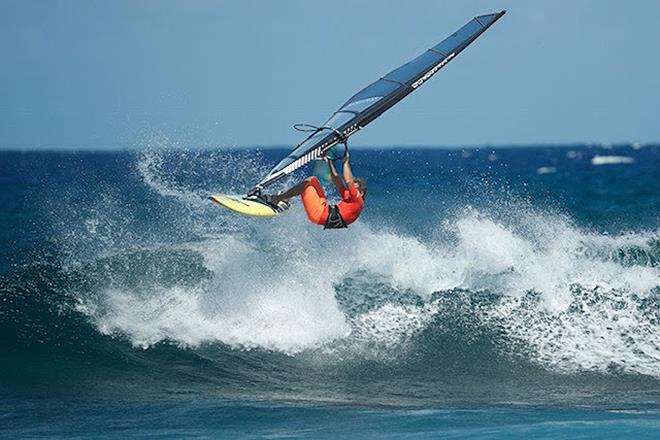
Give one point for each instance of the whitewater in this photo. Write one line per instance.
(572, 298)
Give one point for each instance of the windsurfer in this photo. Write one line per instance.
(351, 189)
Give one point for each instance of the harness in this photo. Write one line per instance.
(334, 220)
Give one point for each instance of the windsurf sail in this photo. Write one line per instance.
(376, 98)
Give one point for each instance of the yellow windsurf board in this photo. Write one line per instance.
(246, 206)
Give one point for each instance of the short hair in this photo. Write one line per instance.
(362, 184)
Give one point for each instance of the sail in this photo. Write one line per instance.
(377, 97)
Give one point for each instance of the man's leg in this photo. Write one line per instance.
(314, 202)
(313, 198)
(292, 192)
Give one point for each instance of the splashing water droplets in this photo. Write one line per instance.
(573, 299)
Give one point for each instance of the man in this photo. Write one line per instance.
(351, 189)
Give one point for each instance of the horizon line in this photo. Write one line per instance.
(606, 145)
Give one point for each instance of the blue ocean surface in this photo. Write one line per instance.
(484, 293)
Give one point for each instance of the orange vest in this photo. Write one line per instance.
(351, 204)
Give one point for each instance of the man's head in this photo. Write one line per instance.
(361, 185)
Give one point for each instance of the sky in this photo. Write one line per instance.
(218, 74)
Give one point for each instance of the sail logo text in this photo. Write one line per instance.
(432, 72)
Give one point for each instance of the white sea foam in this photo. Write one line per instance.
(245, 303)
(390, 326)
(611, 160)
(546, 170)
(573, 154)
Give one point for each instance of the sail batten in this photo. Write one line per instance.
(378, 97)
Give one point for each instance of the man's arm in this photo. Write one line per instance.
(336, 179)
(348, 173)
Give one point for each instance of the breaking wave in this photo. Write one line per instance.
(528, 292)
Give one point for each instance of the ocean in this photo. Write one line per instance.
(493, 292)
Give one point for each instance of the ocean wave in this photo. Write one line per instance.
(576, 301)
(261, 290)
(486, 295)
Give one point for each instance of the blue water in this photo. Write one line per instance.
(494, 293)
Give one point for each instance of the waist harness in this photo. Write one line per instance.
(334, 220)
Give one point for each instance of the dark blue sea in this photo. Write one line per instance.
(484, 293)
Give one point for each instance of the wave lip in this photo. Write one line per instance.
(611, 160)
